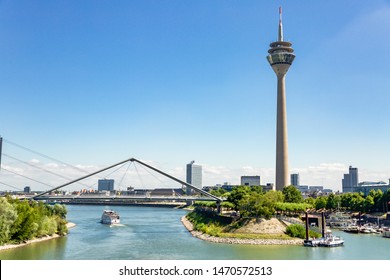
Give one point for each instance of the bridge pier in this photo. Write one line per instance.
(218, 206)
(189, 202)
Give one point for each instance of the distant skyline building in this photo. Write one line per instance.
(250, 180)
(280, 57)
(366, 186)
(295, 180)
(194, 176)
(106, 185)
(350, 180)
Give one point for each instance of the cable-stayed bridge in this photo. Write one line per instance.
(147, 197)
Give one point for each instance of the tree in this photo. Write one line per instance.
(368, 203)
(218, 192)
(310, 200)
(358, 202)
(8, 216)
(253, 202)
(292, 207)
(227, 205)
(346, 200)
(25, 225)
(320, 202)
(60, 211)
(333, 201)
(237, 194)
(379, 199)
(292, 194)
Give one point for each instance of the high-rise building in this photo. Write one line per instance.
(295, 180)
(250, 180)
(280, 57)
(106, 185)
(194, 176)
(350, 180)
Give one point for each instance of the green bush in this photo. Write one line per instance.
(299, 231)
(296, 231)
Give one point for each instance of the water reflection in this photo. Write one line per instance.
(53, 249)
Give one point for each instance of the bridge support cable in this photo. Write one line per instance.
(44, 156)
(81, 178)
(40, 168)
(178, 180)
(1, 149)
(36, 181)
(124, 174)
(8, 185)
(139, 176)
(154, 176)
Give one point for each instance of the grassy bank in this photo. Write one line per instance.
(218, 226)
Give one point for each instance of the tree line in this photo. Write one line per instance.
(22, 220)
(254, 202)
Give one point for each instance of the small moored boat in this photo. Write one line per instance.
(352, 229)
(110, 217)
(332, 241)
(386, 233)
(328, 241)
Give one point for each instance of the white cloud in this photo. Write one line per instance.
(327, 174)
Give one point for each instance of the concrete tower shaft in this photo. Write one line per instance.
(280, 57)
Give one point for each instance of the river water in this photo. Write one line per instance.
(148, 233)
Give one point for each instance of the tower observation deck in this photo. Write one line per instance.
(280, 57)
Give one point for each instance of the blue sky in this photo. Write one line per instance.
(94, 82)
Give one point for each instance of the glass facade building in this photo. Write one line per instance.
(350, 180)
(294, 180)
(194, 176)
(106, 185)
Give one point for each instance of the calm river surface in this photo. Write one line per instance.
(156, 233)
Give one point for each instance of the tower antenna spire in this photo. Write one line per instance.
(280, 38)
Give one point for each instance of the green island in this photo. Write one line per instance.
(249, 213)
(22, 221)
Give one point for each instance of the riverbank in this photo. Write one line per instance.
(44, 238)
(227, 240)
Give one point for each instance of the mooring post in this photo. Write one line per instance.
(323, 224)
(218, 206)
(307, 225)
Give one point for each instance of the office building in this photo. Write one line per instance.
(366, 186)
(106, 185)
(316, 188)
(194, 176)
(250, 180)
(350, 180)
(295, 180)
(280, 57)
(303, 188)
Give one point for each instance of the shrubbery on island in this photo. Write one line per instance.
(299, 231)
(245, 203)
(22, 220)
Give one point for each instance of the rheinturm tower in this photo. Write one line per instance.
(280, 57)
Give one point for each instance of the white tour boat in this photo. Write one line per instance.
(110, 217)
